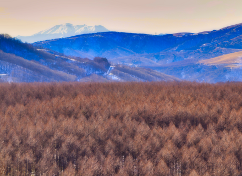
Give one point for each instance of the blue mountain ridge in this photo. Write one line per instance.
(173, 54)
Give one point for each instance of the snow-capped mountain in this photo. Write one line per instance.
(61, 31)
(69, 29)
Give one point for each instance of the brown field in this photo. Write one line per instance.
(166, 129)
(232, 60)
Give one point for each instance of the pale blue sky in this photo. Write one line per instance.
(26, 17)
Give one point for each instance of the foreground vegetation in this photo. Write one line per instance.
(121, 128)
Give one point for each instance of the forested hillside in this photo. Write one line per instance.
(121, 129)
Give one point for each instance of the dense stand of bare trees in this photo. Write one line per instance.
(167, 129)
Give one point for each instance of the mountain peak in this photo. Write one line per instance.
(70, 29)
(63, 30)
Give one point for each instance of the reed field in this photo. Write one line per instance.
(133, 129)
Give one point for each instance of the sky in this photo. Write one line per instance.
(27, 17)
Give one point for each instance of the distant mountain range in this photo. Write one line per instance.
(61, 31)
(178, 54)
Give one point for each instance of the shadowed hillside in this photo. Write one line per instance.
(22, 62)
(36, 68)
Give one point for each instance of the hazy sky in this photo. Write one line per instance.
(26, 17)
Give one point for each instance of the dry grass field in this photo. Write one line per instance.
(232, 60)
(157, 128)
